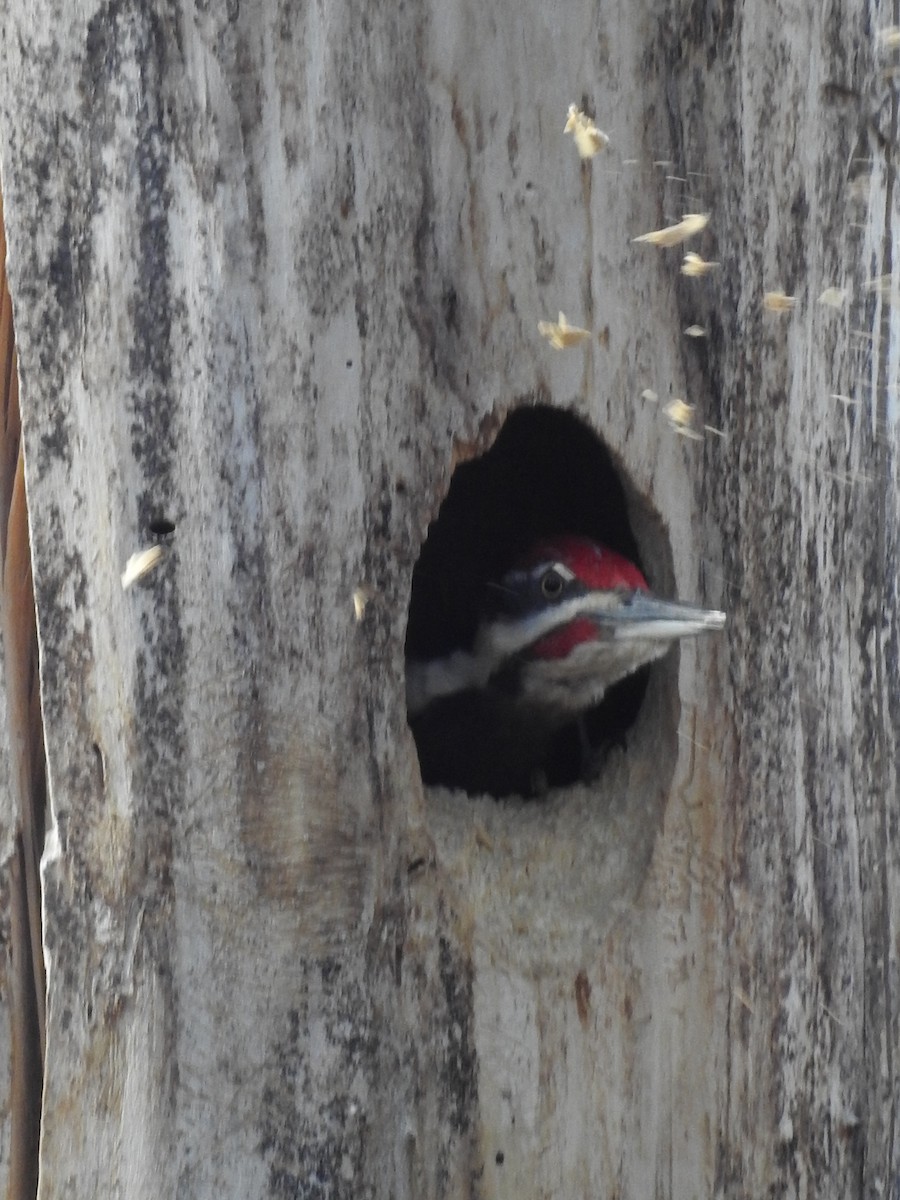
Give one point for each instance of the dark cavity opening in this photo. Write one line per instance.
(547, 473)
(162, 526)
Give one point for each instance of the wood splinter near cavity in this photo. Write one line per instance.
(589, 140)
(141, 564)
(561, 335)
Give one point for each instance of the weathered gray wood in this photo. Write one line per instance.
(232, 234)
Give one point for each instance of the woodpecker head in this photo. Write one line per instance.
(571, 619)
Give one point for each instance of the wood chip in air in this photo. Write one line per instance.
(695, 331)
(883, 285)
(778, 302)
(141, 564)
(561, 335)
(833, 297)
(889, 37)
(672, 235)
(649, 394)
(696, 266)
(361, 597)
(681, 416)
(589, 140)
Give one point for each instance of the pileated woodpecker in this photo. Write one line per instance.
(571, 619)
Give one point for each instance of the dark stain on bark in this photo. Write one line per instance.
(459, 1067)
(123, 36)
(61, 273)
(61, 588)
(544, 258)
(583, 997)
(313, 1126)
(127, 60)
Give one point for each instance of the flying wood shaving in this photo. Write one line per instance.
(882, 285)
(562, 335)
(589, 140)
(141, 564)
(833, 297)
(649, 394)
(889, 37)
(361, 597)
(681, 416)
(778, 302)
(695, 331)
(672, 235)
(695, 266)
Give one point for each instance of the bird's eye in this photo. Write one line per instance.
(552, 584)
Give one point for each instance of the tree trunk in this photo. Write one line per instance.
(276, 272)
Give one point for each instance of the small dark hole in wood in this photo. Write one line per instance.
(101, 763)
(499, 1158)
(162, 526)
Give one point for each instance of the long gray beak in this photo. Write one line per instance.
(645, 617)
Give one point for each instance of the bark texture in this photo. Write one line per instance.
(276, 269)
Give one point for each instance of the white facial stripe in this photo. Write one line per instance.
(438, 677)
(503, 639)
(653, 622)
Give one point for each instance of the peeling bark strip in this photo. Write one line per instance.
(275, 271)
(23, 792)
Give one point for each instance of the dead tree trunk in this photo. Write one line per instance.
(276, 272)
